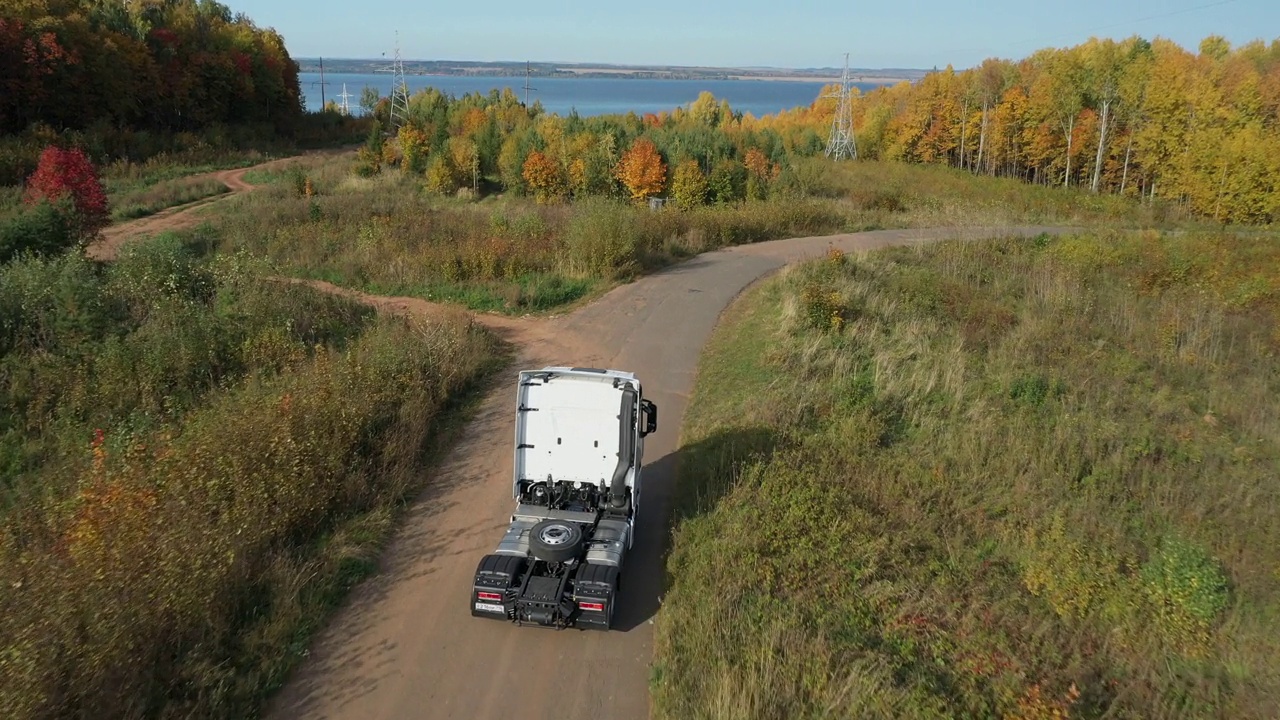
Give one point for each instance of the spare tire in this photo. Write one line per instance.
(555, 540)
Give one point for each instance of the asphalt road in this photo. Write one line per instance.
(405, 644)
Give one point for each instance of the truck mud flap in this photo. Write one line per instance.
(595, 596)
(493, 595)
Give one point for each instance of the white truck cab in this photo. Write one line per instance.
(579, 450)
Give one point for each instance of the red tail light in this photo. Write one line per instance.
(597, 607)
(489, 596)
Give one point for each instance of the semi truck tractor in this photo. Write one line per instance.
(579, 450)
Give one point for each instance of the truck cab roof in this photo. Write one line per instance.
(567, 424)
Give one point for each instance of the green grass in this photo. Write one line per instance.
(163, 195)
(1002, 478)
(386, 234)
(195, 465)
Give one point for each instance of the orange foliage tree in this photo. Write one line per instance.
(642, 170)
(543, 176)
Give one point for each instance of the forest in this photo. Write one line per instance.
(157, 65)
(131, 79)
(1145, 119)
(1134, 117)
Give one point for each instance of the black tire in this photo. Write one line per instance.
(555, 540)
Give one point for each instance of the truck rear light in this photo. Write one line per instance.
(495, 597)
(593, 606)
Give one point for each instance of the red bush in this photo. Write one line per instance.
(69, 172)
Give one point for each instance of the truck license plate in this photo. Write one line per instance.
(490, 607)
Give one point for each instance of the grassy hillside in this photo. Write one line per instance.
(195, 463)
(1013, 479)
(387, 234)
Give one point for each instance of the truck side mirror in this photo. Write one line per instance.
(650, 411)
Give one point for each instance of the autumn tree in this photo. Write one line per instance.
(706, 111)
(68, 173)
(1104, 68)
(543, 176)
(413, 149)
(173, 65)
(760, 173)
(465, 156)
(689, 185)
(442, 177)
(642, 170)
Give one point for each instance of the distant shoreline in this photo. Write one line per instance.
(879, 76)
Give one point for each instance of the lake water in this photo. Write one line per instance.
(590, 96)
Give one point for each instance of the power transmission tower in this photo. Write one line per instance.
(399, 91)
(842, 143)
(346, 97)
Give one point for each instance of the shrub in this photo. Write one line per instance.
(68, 173)
(602, 240)
(180, 440)
(46, 228)
(1188, 590)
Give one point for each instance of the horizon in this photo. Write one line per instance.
(910, 35)
(604, 64)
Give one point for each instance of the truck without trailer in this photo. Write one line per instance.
(579, 449)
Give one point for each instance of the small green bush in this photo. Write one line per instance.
(47, 228)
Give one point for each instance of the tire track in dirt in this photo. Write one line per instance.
(405, 645)
(180, 217)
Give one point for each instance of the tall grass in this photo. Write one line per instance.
(197, 464)
(166, 194)
(985, 479)
(386, 234)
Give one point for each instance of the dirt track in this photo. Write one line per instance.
(188, 215)
(405, 645)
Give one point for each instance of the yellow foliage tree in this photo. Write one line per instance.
(413, 149)
(465, 156)
(642, 170)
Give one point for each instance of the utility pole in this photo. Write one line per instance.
(526, 84)
(842, 142)
(322, 83)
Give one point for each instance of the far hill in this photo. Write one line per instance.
(605, 70)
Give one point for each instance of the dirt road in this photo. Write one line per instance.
(405, 645)
(190, 214)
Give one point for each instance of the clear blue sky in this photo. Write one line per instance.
(779, 33)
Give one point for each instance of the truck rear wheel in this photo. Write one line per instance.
(555, 541)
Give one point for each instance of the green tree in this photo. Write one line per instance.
(689, 185)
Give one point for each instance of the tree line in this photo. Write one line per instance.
(1146, 119)
(161, 65)
(705, 153)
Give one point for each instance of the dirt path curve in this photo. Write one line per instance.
(405, 645)
(190, 214)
